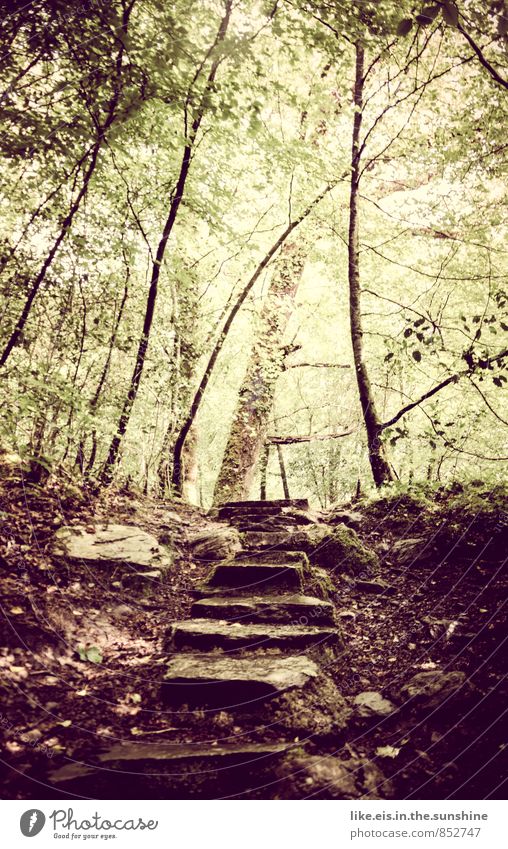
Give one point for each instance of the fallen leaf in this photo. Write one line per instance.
(387, 751)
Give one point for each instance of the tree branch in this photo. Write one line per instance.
(317, 365)
(453, 378)
(316, 437)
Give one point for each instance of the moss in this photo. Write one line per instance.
(318, 582)
(335, 548)
(473, 525)
(399, 508)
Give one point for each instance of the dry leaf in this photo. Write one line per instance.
(387, 751)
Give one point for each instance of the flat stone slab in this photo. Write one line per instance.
(288, 608)
(208, 634)
(265, 539)
(276, 504)
(111, 545)
(281, 558)
(376, 587)
(373, 704)
(260, 576)
(223, 682)
(171, 770)
(265, 524)
(155, 753)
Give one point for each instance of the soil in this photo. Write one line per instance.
(82, 659)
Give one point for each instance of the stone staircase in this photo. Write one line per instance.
(256, 648)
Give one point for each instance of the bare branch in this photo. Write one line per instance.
(453, 378)
(312, 437)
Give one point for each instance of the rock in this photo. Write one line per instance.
(216, 544)
(350, 518)
(430, 689)
(301, 517)
(283, 558)
(317, 710)
(346, 614)
(287, 608)
(211, 679)
(143, 581)
(409, 550)
(266, 539)
(239, 508)
(337, 548)
(163, 770)
(372, 704)
(329, 777)
(207, 634)
(318, 581)
(377, 586)
(111, 545)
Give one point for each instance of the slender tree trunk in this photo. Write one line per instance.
(263, 468)
(65, 226)
(191, 468)
(381, 470)
(182, 435)
(283, 474)
(250, 423)
(114, 449)
(80, 454)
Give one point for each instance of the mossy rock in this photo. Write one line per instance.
(473, 526)
(398, 508)
(338, 548)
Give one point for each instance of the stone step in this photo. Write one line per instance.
(265, 539)
(287, 608)
(256, 576)
(267, 506)
(279, 557)
(222, 682)
(265, 525)
(209, 634)
(171, 770)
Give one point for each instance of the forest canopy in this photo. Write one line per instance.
(254, 246)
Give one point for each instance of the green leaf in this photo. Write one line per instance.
(431, 11)
(92, 654)
(450, 13)
(417, 356)
(405, 26)
(427, 15)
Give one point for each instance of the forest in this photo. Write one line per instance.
(254, 252)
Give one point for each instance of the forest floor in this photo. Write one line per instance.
(447, 611)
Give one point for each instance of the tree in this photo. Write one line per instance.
(192, 123)
(250, 422)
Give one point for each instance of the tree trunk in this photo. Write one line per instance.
(176, 199)
(248, 430)
(176, 479)
(190, 468)
(283, 475)
(263, 469)
(92, 156)
(381, 469)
